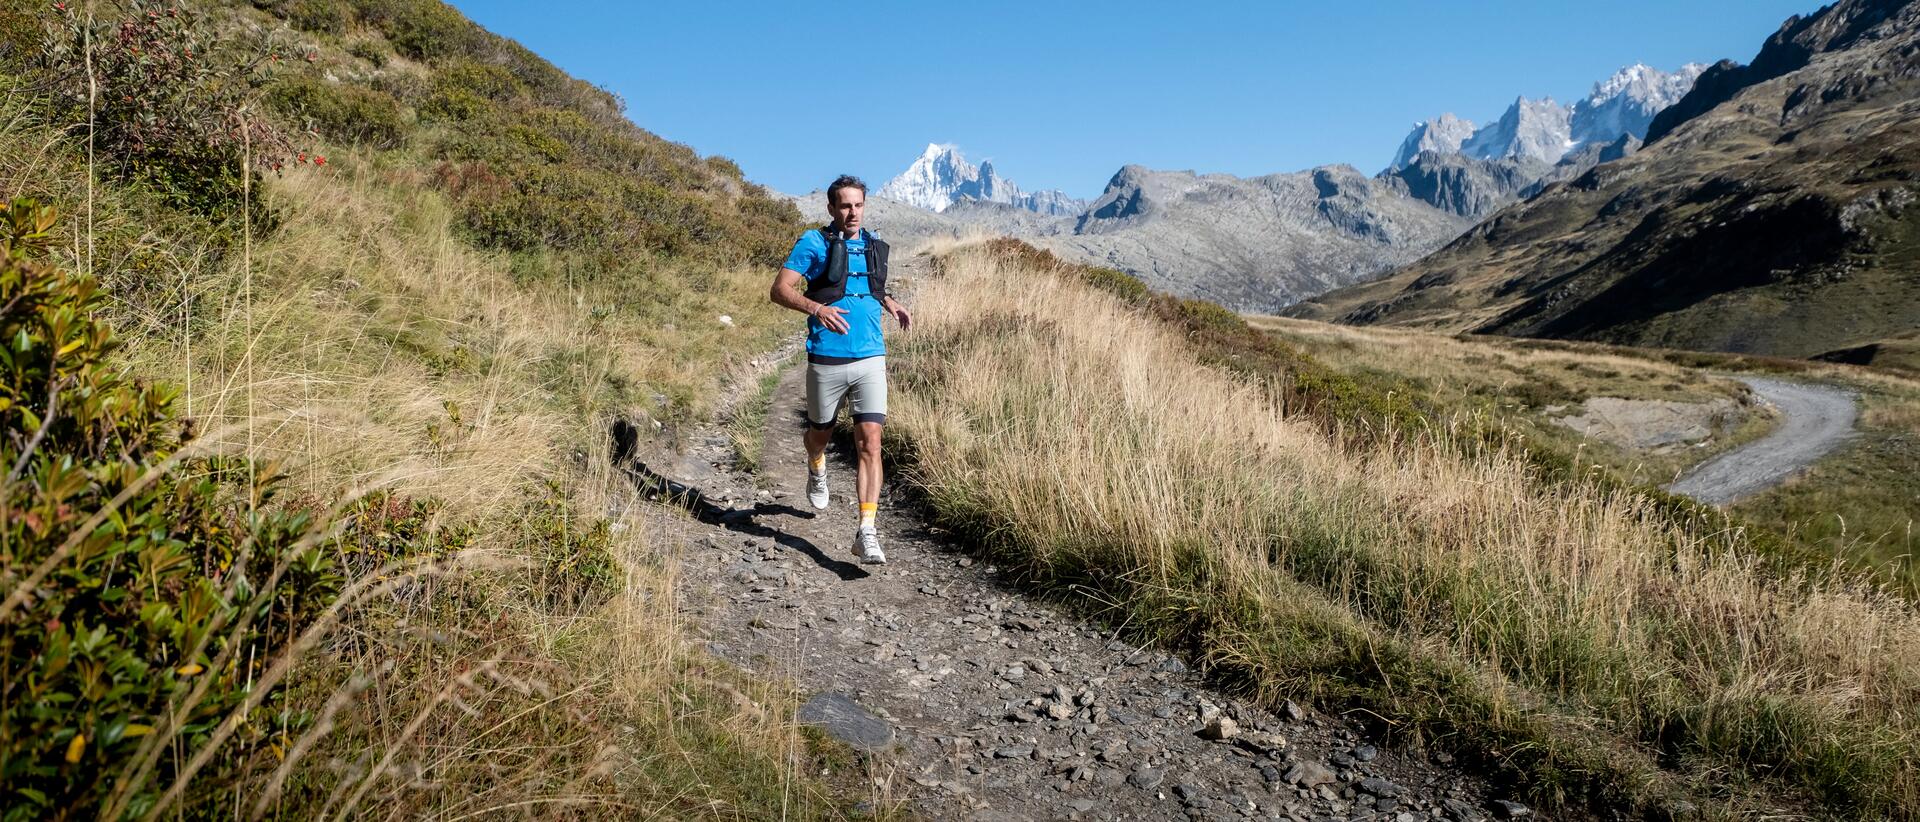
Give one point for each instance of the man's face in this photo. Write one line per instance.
(847, 207)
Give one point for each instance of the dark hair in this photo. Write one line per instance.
(844, 181)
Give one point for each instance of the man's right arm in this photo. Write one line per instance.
(786, 293)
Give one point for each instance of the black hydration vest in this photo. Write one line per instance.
(831, 285)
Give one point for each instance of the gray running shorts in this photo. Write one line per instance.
(863, 382)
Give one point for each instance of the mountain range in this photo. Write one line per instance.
(1263, 243)
(1774, 210)
(1547, 131)
(1449, 163)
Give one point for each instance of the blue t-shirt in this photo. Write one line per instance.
(863, 338)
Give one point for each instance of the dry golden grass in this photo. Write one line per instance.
(1513, 611)
(365, 349)
(1450, 363)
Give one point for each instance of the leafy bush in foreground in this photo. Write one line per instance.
(144, 599)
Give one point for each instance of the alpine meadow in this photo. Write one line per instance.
(398, 428)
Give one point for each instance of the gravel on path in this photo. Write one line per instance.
(1000, 706)
(1815, 419)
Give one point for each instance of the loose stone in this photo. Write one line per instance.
(1221, 729)
(1309, 774)
(1379, 787)
(1146, 779)
(1505, 809)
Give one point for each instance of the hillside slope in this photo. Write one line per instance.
(1778, 218)
(389, 329)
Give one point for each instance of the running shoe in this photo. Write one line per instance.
(817, 489)
(866, 544)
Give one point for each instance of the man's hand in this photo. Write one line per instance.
(900, 313)
(834, 319)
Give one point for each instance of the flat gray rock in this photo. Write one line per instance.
(845, 720)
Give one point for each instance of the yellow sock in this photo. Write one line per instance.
(868, 510)
(817, 464)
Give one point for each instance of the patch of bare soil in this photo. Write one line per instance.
(1652, 425)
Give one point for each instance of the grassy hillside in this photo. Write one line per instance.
(1598, 648)
(393, 277)
(1858, 505)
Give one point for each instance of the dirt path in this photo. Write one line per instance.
(976, 702)
(1815, 419)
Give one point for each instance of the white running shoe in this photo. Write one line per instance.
(817, 489)
(866, 544)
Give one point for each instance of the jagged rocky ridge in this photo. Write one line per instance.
(1473, 172)
(1775, 210)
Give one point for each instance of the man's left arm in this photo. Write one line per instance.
(898, 311)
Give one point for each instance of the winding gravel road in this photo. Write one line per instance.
(1815, 419)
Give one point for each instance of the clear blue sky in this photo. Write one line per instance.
(1061, 93)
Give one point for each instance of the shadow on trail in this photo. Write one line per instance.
(657, 487)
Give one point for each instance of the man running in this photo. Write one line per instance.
(844, 272)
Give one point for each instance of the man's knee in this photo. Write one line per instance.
(869, 438)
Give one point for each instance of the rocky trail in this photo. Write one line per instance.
(971, 700)
(1815, 419)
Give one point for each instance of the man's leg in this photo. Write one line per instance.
(867, 392)
(817, 440)
(870, 471)
(826, 384)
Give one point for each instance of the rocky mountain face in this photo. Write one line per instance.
(1534, 143)
(1529, 130)
(1440, 135)
(1790, 49)
(1253, 244)
(1627, 102)
(942, 176)
(1775, 210)
(1467, 186)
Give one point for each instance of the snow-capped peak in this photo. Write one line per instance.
(1626, 102)
(1622, 104)
(1534, 129)
(1442, 134)
(942, 176)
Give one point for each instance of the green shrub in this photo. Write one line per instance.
(368, 50)
(342, 112)
(22, 29)
(541, 145)
(491, 82)
(1119, 283)
(1208, 316)
(576, 569)
(724, 166)
(453, 105)
(322, 16)
(171, 108)
(145, 600)
(421, 29)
